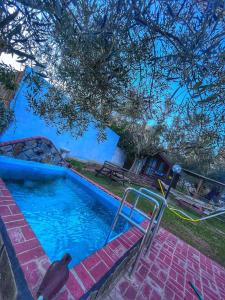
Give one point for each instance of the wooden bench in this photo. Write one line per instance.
(114, 172)
(122, 175)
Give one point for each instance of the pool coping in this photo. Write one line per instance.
(85, 277)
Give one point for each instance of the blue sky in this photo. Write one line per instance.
(11, 60)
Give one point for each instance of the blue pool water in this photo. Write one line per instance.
(65, 216)
(66, 212)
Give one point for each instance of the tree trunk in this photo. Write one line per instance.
(134, 168)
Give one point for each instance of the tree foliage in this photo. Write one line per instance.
(138, 140)
(140, 60)
(22, 29)
(5, 116)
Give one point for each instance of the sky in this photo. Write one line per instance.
(11, 60)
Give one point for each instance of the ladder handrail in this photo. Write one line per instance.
(147, 194)
(154, 219)
(153, 193)
(126, 192)
(158, 217)
(142, 194)
(163, 204)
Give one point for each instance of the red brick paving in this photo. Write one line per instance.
(166, 271)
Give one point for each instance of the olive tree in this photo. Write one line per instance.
(102, 53)
(22, 30)
(140, 61)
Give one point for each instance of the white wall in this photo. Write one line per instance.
(27, 124)
(119, 157)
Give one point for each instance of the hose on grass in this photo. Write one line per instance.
(182, 215)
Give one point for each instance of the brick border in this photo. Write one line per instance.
(27, 248)
(86, 276)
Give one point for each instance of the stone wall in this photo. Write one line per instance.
(37, 149)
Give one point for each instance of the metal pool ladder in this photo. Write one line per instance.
(154, 219)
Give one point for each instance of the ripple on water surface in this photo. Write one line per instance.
(65, 216)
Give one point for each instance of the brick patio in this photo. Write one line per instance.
(167, 271)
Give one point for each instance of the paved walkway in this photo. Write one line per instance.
(166, 272)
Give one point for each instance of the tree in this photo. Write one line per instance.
(195, 140)
(100, 51)
(138, 140)
(7, 82)
(22, 29)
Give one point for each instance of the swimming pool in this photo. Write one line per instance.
(66, 212)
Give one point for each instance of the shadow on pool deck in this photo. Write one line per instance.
(166, 271)
(12, 283)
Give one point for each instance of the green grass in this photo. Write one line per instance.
(206, 236)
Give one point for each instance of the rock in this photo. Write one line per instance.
(54, 152)
(56, 159)
(48, 143)
(29, 153)
(7, 148)
(31, 144)
(36, 158)
(40, 150)
(17, 149)
(22, 156)
(47, 159)
(10, 154)
(45, 148)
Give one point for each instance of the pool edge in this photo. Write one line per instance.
(86, 277)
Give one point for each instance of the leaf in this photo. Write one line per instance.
(222, 54)
(14, 31)
(8, 19)
(197, 85)
(205, 87)
(22, 60)
(208, 99)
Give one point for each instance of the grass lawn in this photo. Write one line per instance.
(206, 236)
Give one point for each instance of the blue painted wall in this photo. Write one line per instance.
(27, 124)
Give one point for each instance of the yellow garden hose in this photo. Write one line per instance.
(183, 215)
(161, 188)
